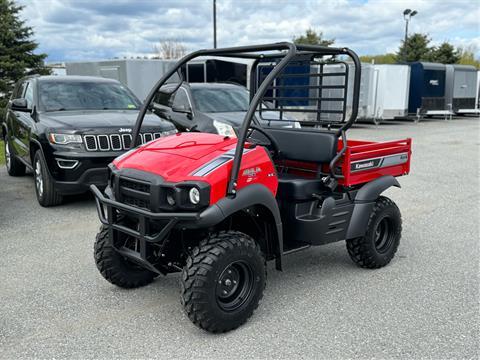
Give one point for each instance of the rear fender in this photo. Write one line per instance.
(364, 203)
(248, 196)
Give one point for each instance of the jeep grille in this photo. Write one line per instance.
(119, 142)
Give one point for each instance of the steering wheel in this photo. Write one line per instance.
(272, 144)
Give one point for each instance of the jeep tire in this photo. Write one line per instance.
(14, 166)
(44, 185)
(223, 281)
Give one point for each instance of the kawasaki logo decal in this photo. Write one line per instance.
(380, 162)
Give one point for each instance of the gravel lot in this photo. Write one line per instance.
(425, 304)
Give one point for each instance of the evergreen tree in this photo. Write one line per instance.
(445, 54)
(415, 49)
(16, 51)
(311, 37)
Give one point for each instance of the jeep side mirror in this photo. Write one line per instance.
(20, 105)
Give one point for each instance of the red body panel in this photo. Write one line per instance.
(183, 156)
(358, 150)
(365, 150)
(178, 157)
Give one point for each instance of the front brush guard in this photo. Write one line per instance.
(108, 212)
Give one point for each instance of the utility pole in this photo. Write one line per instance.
(214, 24)
(407, 15)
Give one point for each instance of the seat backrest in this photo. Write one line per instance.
(305, 145)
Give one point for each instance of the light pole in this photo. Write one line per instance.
(214, 24)
(407, 15)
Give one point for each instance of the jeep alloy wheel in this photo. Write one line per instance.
(38, 178)
(8, 159)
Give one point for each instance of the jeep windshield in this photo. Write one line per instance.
(229, 99)
(85, 95)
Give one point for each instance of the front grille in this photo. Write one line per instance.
(145, 204)
(118, 142)
(134, 185)
(135, 193)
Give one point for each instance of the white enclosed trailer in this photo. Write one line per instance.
(383, 91)
(391, 84)
(139, 75)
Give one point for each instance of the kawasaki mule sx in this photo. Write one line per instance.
(216, 208)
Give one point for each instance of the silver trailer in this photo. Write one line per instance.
(461, 88)
(139, 75)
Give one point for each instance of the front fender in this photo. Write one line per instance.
(364, 203)
(251, 195)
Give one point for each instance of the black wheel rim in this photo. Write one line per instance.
(384, 235)
(234, 286)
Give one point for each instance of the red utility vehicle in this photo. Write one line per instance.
(216, 208)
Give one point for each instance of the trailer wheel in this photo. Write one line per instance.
(223, 281)
(114, 267)
(380, 243)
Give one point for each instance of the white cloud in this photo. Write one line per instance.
(93, 29)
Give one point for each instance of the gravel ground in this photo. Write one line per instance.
(425, 304)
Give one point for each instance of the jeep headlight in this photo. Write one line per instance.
(224, 129)
(64, 139)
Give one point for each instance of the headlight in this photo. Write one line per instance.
(194, 195)
(297, 125)
(224, 129)
(64, 139)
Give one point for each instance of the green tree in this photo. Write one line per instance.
(415, 49)
(467, 57)
(16, 51)
(311, 37)
(379, 59)
(445, 54)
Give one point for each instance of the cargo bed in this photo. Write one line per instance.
(364, 161)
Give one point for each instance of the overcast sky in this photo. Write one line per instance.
(101, 29)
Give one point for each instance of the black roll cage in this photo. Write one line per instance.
(286, 52)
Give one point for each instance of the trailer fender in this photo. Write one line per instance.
(251, 195)
(364, 203)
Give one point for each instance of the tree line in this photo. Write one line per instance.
(417, 48)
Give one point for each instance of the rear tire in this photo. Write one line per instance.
(44, 185)
(115, 268)
(14, 166)
(380, 243)
(223, 281)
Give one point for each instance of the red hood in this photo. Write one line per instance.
(177, 156)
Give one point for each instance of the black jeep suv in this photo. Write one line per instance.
(67, 129)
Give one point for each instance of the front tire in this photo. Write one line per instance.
(14, 166)
(115, 268)
(223, 281)
(44, 185)
(380, 243)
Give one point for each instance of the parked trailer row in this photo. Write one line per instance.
(388, 91)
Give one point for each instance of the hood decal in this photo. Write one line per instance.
(215, 163)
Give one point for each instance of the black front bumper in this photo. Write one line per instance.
(110, 211)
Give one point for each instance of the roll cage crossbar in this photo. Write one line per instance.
(283, 54)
